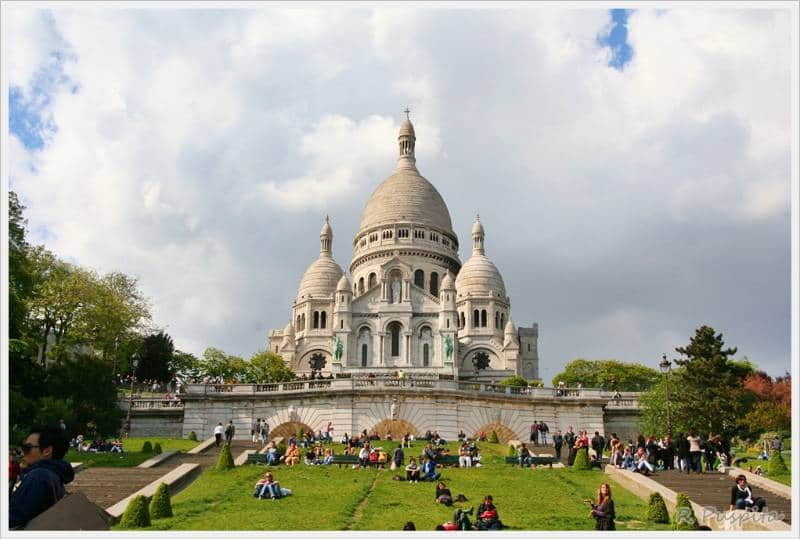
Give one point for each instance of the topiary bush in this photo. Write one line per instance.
(147, 447)
(657, 509)
(512, 451)
(157, 449)
(582, 460)
(193, 436)
(493, 439)
(225, 460)
(160, 505)
(685, 518)
(776, 464)
(137, 514)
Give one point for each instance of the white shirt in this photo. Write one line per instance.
(218, 429)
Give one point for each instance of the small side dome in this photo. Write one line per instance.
(480, 277)
(343, 285)
(320, 278)
(477, 227)
(510, 329)
(326, 231)
(288, 330)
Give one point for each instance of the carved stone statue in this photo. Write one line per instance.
(396, 291)
(448, 346)
(337, 348)
(393, 410)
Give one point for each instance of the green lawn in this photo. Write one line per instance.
(332, 498)
(754, 461)
(132, 456)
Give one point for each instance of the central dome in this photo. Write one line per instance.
(406, 196)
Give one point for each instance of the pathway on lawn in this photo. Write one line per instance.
(714, 490)
(106, 486)
(362, 505)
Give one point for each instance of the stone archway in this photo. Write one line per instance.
(504, 434)
(290, 428)
(398, 427)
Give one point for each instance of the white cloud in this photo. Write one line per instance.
(202, 148)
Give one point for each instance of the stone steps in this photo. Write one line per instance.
(107, 486)
(714, 490)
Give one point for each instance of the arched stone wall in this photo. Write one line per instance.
(288, 429)
(398, 427)
(504, 434)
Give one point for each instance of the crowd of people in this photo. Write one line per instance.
(98, 445)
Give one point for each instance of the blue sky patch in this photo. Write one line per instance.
(617, 39)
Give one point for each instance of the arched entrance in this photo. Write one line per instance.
(398, 427)
(504, 434)
(290, 428)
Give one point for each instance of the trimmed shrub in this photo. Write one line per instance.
(136, 515)
(193, 436)
(685, 518)
(147, 447)
(582, 460)
(512, 451)
(493, 439)
(157, 449)
(160, 505)
(301, 433)
(776, 464)
(657, 509)
(225, 460)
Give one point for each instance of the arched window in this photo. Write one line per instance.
(316, 320)
(373, 280)
(298, 327)
(462, 322)
(303, 321)
(341, 324)
(364, 355)
(361, 286)
(395, 331)
(502, 320)
(426, 360)
(435, 284)
(419, 278)
(476, 318)
(497, 320)
(365, 342)
(322, 320)
(483, 318)
(448, 323)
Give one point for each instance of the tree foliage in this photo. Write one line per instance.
(514, 381)
(155, 358)
(607, 374)
(225, 459)
(268, 367)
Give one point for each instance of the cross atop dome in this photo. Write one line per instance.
(407, 113)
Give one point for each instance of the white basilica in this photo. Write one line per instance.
(411, 306)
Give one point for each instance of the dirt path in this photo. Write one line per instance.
(362, 505)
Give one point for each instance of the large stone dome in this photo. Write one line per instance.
(320, 278)
(406, 196)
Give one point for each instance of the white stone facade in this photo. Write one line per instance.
(410, 305)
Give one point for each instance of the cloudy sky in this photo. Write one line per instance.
(632, 168)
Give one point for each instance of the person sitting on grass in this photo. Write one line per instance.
(640, 462)
(267, 486)
(383, 457)
(464, 456)
(311, 457)
(461, 436)
(443, 494)
(429, 472)
(271, 456)
(524, 457)
(116, 446)
(626, 460)
(742, 497)
(412, 471)
(488, 518)
(292, 455)
(328, 458)
(428, 452)
(373, 457)
(363, 456)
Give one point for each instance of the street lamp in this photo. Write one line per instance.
(666, 366)
(134, 364)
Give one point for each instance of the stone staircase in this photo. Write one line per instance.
(714, 490)
(107, 486)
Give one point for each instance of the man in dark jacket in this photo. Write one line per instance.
(598, 443)
(558, 441)
(42, 481)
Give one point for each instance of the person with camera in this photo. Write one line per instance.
(42, 481)
(603, 510)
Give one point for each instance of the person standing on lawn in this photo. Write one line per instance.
(603, 510)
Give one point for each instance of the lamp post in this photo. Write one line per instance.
(134, 364)
(666, 366)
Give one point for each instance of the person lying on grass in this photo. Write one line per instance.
(443, 494)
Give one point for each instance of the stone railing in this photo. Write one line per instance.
(626, 400)
(151, 404)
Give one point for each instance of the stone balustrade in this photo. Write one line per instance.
(625, 400)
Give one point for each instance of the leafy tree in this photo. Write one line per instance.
(777, 465)
(157, 450)
(608, 374)
(768, 416)
(155, 357)
(217, 363)
(185, 365)
(268, 367)
(514, 381)
(20, 275)
(493, 438)
(657, 509)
